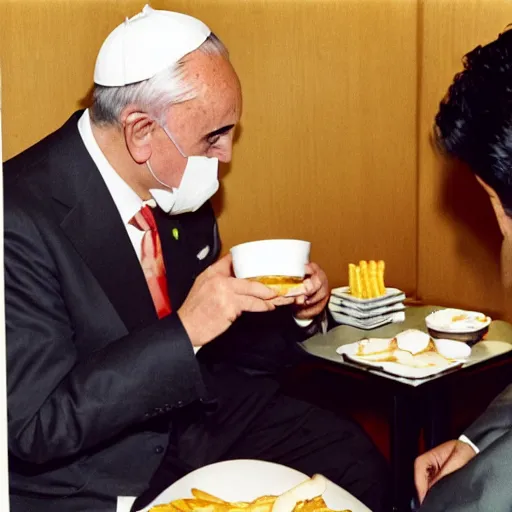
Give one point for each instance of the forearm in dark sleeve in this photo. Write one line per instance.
(60, 404)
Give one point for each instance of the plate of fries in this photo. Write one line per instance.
(366, 282)
(253, 486)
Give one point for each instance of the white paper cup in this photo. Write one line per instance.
(280, 264)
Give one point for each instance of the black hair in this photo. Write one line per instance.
(474, 122)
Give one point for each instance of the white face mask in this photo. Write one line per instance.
(198, 183)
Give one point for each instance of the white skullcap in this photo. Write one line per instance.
(146, 44)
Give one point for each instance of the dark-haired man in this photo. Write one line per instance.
(474, 125)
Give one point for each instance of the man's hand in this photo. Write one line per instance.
(313, 302)
(435, 464)
(217, 299)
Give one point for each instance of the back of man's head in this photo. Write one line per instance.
(474, 122)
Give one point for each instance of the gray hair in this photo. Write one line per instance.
(154, 95)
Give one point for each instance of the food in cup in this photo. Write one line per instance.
(279, 264)
(283, 285)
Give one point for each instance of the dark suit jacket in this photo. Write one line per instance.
(494, 422)
(94, 378)
(484, 484)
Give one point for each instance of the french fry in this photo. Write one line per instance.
(181, 505)
(381, 268)
(352, 279)
(311, 505)
(259, 507)
(202, 495)
(374, 284)
(365, 279)
(359, 284)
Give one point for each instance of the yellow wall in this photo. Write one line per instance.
(339, 96)
(458, 238)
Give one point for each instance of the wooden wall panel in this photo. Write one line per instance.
(458, 238)
(327, 146)
(47, 54)
(327, 149)
(328, 143)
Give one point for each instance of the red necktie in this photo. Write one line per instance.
(152, 260)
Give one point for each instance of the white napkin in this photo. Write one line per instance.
(124, 503)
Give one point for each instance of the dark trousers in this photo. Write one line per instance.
(257, 422)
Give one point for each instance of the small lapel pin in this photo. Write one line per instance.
(201, 255)
(175, 233)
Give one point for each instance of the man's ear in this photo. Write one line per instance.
(138, 130)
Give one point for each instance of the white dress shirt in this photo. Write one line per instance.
(127, 202)
(468, 441)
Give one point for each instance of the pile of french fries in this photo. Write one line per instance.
(305, 497)
(366, 280)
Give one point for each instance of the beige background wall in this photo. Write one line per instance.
(458, 240)
(339, 96)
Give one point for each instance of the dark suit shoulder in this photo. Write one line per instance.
(34, 175)
(34, 162)
(41, 149)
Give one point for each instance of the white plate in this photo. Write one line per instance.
(342, 296)
(245, 480)
(444, 346)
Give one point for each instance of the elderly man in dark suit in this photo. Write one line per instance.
(474, 125)
(112, 287)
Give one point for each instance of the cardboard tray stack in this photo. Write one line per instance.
(367, 313)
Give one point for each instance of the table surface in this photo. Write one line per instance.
(498, 342)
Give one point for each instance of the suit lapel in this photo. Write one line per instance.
(184, 237)
(96, 230)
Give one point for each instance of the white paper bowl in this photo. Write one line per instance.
(271, 258)
(440, 325)
(264, 258)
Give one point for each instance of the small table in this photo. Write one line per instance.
(418, 403)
